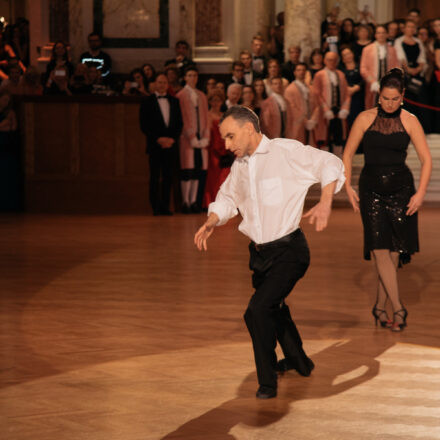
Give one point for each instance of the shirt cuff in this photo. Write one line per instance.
(224, 213)
(333, 171)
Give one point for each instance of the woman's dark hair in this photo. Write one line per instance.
(394, 79)
(152, 69)
(141, 72)
(242, 114)
(347, 37)
(65, 56)
(314, 52)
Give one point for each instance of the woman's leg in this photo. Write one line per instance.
(386, 266)
(382, 296)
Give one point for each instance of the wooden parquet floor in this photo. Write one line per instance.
(117, 328)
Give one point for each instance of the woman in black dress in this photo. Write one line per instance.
(387, 198)
(355, 84)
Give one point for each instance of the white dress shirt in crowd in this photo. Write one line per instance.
(193, 95)
(280, 101)
(248, 77)
(269, 187)
(333, 76)
(164, 105)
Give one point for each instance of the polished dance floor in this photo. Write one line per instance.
(117, 328)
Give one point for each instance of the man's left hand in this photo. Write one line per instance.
(319, 215)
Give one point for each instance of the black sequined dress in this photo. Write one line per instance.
(385, 188)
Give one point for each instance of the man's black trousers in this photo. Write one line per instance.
(162, 165)
(276, 266)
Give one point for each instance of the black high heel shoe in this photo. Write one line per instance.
(377, 314)
(402, 313)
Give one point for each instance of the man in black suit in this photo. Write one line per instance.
(237, 75)
(161, 122)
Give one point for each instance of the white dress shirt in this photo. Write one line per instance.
(269, 187)
(164, 105)
(193, 95)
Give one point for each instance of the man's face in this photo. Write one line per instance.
(238, 72)
(246, 60)
(237, 138)
(257, 47)
(161, 84)
(332, 30)
(410, 29)
(181, 49)
(234, 94)
(381, 35)
(272, 69)
(294, 55)
(331, 60)
(414, 16)
(277, 85)
(94, 42)
(300, 72)
(393, 29)
(191, 78)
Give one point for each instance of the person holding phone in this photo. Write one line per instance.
(58, 82)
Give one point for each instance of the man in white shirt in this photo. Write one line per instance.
(267, 184)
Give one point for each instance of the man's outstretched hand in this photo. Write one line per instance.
(319, 215)
(202, 235)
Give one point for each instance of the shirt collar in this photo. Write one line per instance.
(262, 148)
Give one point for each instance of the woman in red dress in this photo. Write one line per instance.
(219, 159)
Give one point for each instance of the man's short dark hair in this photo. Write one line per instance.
(301, 64)
(191, 68)
(242, 114)
(94, 34)
(237, 64)
(182, 43)
(416, 10)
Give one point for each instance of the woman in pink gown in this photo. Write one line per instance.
(219, 159)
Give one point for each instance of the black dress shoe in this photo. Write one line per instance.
(304, 368)
(186, 209)
(266, 392)
(165, 212)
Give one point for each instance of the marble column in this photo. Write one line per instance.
(347, 8)
(208, 22)
(302, 25)
(187, 20)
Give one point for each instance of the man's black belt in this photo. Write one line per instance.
(277, 243)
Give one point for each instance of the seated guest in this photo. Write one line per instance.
(237, 75)
(273, 71)
(233, 94)
(136, 84)
(13, 84)
(149, 73)
(161, 122)
(259, 61)
(316, 62)
(260, 94)
(173, 80)
(287, 69)
(96, 57)
(59, 59)
(331, 91)
(248, 98)
(79, 83)
(377, 59)
(331, 39)
(276, 116)
(182, 59)
(363, 39)
(219, 159)
(193, 141)
(302, 106)
(95, 78)
(249, 74)
(355, 82)
(10, 179)
(58, 82)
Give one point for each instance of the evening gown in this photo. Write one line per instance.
(216, 175)
(385, 188)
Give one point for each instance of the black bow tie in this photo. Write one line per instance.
(258, 57)
(247, 72)
(162, 97)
